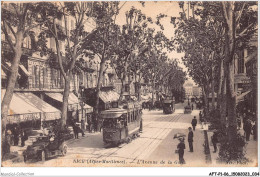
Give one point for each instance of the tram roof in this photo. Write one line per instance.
(113, 113)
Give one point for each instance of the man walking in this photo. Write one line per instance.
(194, 123)
(181, 147)
(190, 139)
(214, 140)
(75, 130)
(248, 129)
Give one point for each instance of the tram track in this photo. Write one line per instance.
(148, 145)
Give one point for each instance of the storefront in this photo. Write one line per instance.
(74, 108)
(29, 111)
(49, 114)
(22, 114)
(107, 96)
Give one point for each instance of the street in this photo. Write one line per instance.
(154, 147)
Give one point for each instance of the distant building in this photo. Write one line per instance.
(188, 87)
(197, 91)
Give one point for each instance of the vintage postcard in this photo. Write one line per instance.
(129, 84)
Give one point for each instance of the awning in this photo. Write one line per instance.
(59, 97)
(24, 70)
(20, 110)
(49, 112)
(241, 96)
(88, 108)
(109, 96)
(73, 100)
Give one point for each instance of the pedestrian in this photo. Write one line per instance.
(23, 138)
(16, 136)
(194, 123)
(80, 131)
(200, 115)
(181, 147)
(190, 139)
(201, 120)
(254, 132)
(82, 124)
(248, 129)
(75, 130)
(214, 140)
(191, 106)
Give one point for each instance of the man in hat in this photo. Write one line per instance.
(194, 123)
(190, 139)
(214, 140)
(181, 147)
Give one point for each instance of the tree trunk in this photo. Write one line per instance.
(230, 20)
(11, 83)
(231, 103)
(223, 104)
(213, 91)
(205, 91)
(153, 85)
(96, 108)
(220, 82)
(122, 90)
(64, 110)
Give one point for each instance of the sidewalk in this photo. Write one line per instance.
(251, 151)
(166, 150)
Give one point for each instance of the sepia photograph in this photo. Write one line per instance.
(129, 84)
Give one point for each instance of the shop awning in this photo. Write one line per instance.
(59, 97)
(241, 96)
(88, 108)
(73, 100)
(49, 112)
(19, 106)
(109, 96)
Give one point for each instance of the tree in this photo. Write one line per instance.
(71, 37)
(18, 21)
(103, 39)
(131, 41)
(236, 30)
(228, 25)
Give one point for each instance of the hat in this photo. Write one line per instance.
(181, 139)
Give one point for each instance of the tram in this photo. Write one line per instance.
(122, 124)
(168, 105)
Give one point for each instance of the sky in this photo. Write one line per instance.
(152, 9)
